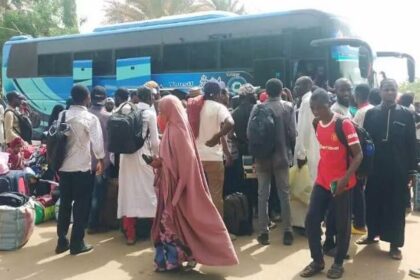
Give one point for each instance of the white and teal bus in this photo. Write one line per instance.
(185, 51)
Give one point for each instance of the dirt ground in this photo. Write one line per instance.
(112, 259)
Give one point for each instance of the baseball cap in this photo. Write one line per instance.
(212, 87)
(98, 95)
(14, 94)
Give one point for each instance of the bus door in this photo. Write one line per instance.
(314, 68)
(82, 72)
(132, 72)
(265, 69)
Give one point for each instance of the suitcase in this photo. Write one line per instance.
(236, 214)
(109, 212)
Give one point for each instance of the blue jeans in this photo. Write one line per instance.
(98, 200)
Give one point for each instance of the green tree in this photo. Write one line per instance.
(411, 87)
(133, 10)
(234, 6)
(36, 18)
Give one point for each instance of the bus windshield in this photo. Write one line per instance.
(344, 63)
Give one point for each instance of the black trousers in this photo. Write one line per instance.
(321, 202)
(75, 192)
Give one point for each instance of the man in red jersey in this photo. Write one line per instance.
(336, 176)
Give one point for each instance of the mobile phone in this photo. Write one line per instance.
(147, 159)
(333, 187)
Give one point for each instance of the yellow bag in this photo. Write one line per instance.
(300, 183)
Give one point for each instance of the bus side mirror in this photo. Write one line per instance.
(364, 62)
(411, 69)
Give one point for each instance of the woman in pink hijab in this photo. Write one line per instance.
(187, 227)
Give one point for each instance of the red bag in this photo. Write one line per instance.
(194, 107)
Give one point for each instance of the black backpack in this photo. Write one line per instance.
(236, 214)
(25, 126)
(366, 143)
(125, 130)
(13, 199)
(261, 132)
(57, 143)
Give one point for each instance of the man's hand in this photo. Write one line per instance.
(100, 167)
(341, 186)
(301, 162)
(213, 141)
(156, 163)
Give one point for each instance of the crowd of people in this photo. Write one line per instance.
(193, 157)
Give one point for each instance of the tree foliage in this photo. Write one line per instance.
(411, 87)
(234, 6)
(117, 11)
(36, 18)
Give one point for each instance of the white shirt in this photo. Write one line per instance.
(341, 110)
(149, 126)
(212, 115)
(307, 145)
(359, 118)
(85, 131)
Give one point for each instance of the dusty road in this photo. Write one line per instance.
(112, 259)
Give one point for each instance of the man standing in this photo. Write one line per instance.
(215, 122)
(278, 164)
(99, 189)
(361, 94)
(76, 180)
(12, 129)
(136, 195)
(342, 89)
(336, 176)
(393, 131)
(307, 147)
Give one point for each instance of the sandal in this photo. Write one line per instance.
(396, 254)
(366, 241)
(336, 272)
(312, 270)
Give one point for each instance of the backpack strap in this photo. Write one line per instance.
(63, 117)
(342, 137)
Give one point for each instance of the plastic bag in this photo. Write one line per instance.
(300, 183)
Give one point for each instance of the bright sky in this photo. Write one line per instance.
(386, 25)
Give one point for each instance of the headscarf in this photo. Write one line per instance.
(184, 190)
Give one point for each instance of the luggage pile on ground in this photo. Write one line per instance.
(17, 217)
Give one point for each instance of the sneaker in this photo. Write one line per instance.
(80, 249)
(358, 231)
(336, 272)
(288, 238)
(415, 273)
(272, 225)
(263, 239)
